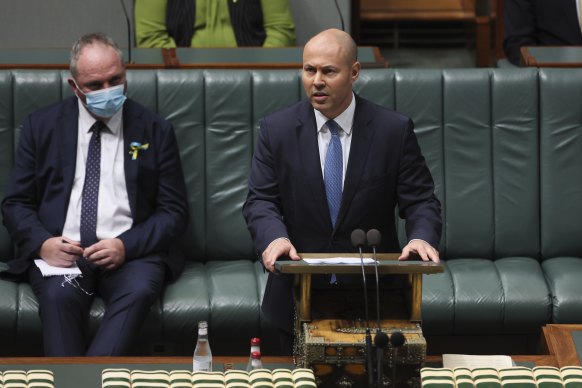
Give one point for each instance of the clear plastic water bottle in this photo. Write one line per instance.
(255, 347)
(202, 360)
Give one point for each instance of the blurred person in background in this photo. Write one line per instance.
(540, 23)
(213, 23)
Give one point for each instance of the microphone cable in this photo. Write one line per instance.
(127, 21)
(340, 15)
(374, 239)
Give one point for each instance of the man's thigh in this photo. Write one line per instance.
(142, 277)
(61, 290)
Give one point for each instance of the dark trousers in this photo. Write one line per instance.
(128, 293)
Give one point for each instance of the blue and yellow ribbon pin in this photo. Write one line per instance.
(135, 147)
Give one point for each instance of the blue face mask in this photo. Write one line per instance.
(105, 102)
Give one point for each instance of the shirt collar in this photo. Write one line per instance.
(344, 119)
(113, 123)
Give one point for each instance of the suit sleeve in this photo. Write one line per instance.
(156, 232)
(262, 209)
(520, 28)
(21, 204)
(150, 24)
(417, 202)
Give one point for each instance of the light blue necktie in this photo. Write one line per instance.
(333, 172)
(332, 176)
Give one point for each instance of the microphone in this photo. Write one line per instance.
(127, 21)
(340, 15)
(381, 340)
(358, 241)
(397, 339)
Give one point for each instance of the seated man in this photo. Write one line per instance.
(97, 183)
(540, 23)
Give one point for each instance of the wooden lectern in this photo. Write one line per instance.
(330, 325)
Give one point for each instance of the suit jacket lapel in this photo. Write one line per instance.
(68, 126)
(133, 131)
(362, 136)
(309, 154)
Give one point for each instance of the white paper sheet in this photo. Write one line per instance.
(338, 260)
(470, 361)
(49, 270)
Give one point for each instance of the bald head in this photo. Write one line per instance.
(337, 40)
(330, 68)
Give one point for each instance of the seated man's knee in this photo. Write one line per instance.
(143, 293)
(61, 296)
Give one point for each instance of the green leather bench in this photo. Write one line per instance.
(504, 147)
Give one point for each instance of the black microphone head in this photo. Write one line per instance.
(358, 238)
(374, 237)
(381, 339)
(397, 339)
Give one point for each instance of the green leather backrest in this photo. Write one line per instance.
(561, 162)
(6, 150)
(478, 131)
(216, 127)
(503, 146)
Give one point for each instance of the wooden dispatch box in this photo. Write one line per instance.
(335, 350)
(330, 325)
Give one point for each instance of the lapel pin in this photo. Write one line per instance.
(135, 147)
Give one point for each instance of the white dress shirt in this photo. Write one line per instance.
(113, 214)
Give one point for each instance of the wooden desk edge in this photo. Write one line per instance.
(134, 360)
(398, 267)
(171, 60)
(181, 66)
(529, 60)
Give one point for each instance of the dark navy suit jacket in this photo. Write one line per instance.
(36, 202)
(287, 195)
(539, 23)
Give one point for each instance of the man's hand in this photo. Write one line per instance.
(277, 248)
(60, 251)
(108, 254)
(421, 249)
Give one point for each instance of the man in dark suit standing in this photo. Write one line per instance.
(97, 184)
(330, 164)
(540, 23)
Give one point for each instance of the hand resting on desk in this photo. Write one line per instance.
(276, 249)
(419, 249)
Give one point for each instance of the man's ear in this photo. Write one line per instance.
(356, 67)
(73, 86)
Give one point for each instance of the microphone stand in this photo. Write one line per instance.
(369, 354)
(358, 240)
(397, 339)
(381, 339)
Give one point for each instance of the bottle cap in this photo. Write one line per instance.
(256, 355)
(202, 328)
(255, 341)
